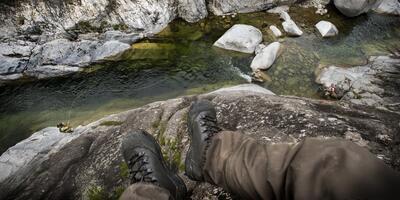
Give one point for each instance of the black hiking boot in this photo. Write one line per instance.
(202, 124)
(143, 156)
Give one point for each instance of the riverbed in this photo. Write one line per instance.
(181, 60)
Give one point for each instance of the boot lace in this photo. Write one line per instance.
(140, 169)
(209, 123)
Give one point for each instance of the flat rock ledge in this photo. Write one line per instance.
(375, 84)
(89, 161)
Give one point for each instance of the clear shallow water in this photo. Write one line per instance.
(181, 60)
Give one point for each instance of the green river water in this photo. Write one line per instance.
(181, 60)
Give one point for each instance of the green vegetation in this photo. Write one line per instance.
(111, 123)
(124, 170)
(96, 193)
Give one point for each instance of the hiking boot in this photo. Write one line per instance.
(143, 156)
(202, 124)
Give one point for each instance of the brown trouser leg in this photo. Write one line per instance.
(142, 191)
(312, 169)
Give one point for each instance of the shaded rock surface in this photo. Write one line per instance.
(192, 10)
(93, 159)
(242, 38)
(352, 8)
(375, 84)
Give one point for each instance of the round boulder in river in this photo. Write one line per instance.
(242, 38)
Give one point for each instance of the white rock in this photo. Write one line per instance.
(259, 48)
(327, 29)
(275, 31)
(242, 38)
(285, 16)
(266, 57)
(389, 7)
(291, 28)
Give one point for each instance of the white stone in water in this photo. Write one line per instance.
(291, 28)
(266, 57)
(242, 38)
(327, 29)
(285, 16)
(275, 31)
(259, 48)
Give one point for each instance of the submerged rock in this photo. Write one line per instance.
(240, 37)
(352, 8)
(57, 169)
(389, 7)
(266, 57)
(49, 71)
(375, 84)
(327, 29)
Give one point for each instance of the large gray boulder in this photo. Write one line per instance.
(92, 163)
(352, 8)
(375, 84)
(240, 37)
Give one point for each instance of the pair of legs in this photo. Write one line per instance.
(311, 169)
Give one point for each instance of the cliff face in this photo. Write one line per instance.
(89, 163)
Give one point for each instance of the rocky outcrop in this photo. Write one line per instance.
(375, 84)
(242, 38)
(92, 164)
(56, 58)
(266, 57)
(352, 8)
(327, 29)
(389, 7)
